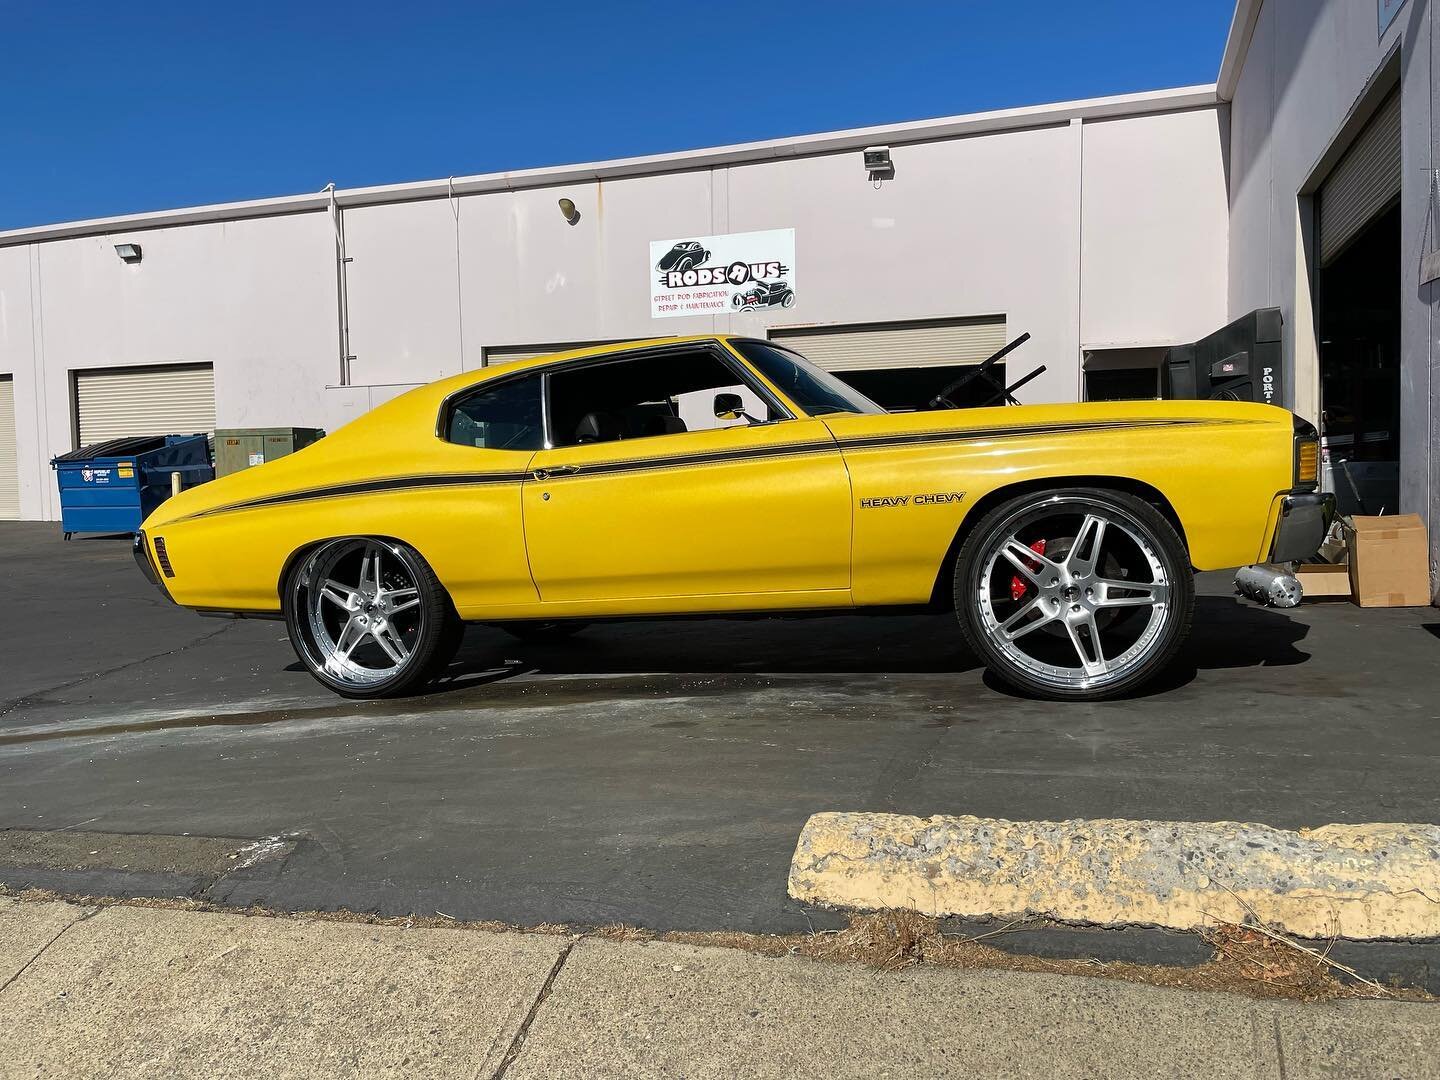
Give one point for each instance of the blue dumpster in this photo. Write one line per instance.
(113, 486)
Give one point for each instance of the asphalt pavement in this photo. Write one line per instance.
(650, 773)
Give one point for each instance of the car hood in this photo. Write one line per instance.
(1043, 419)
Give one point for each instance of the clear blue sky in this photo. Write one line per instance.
(120, 107)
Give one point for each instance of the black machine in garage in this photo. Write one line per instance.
(1240, 362)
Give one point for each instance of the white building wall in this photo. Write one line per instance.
(254, 298)
(1155, 230)
(1110, 231)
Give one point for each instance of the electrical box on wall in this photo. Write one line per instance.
(238, 449)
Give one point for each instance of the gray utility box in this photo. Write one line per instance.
(237, 449)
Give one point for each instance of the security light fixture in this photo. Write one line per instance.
(567, 209)
(878, 163)
(129, 253)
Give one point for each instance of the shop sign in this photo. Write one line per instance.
(715, 275)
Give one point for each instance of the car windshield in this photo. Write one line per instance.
(816, 391)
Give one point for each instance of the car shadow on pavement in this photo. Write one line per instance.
(1226, 634)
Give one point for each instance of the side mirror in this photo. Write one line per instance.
(729, 407)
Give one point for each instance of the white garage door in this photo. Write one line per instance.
(509, 354)
(9, 470)
(891, 346)
(117, 402)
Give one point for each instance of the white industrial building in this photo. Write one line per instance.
(1109, 229)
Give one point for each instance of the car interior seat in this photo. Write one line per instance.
(597, 427)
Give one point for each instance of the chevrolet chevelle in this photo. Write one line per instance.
(725, 475)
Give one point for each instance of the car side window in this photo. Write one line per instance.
(663, 393)
(501, 416)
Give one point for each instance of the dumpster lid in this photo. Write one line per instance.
(131, 446)
(126, 447)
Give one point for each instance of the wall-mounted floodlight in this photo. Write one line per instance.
(129, 253)
(878, 163)
(567, 208)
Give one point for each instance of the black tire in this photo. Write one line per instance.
(448, 647)
(1078, 595)
(540, 633)
(421, 632)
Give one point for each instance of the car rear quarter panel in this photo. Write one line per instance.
(1218, 465)
(229, 555)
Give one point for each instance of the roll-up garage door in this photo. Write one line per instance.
(117, 402)
(1364, 182)
(892, 346)
(9, 469)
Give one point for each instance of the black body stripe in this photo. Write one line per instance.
(370, 487)
(714, 457)
(867, 442)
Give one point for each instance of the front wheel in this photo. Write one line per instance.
(1078, 594)
(367, 617)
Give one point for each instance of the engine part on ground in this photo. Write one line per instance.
(1272, 586)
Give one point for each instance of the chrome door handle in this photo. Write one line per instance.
(555, 470)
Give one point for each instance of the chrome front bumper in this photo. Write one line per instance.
(1304, 521)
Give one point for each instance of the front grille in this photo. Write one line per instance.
(163, 557)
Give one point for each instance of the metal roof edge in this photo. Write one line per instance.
(1237, 46)
(982, 123)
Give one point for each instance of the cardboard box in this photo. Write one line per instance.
(1324, 579)
(1389, 561)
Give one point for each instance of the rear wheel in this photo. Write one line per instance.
(368, 618)
(1078, 594)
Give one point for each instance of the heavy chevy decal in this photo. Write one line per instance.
(712, 275)
(936, 498)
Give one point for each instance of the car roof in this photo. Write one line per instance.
(466, 379)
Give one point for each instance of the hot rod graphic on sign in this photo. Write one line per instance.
(703, 275)
(683, 256)
(764, 294)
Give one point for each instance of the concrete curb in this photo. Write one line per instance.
(1361, 882)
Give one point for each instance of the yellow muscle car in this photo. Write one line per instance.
(725, 475)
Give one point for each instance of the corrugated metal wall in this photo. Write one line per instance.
(882, 346)
(9, 469)
(1363, 182)
(111, 403)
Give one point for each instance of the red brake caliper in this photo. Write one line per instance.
(1018, 585)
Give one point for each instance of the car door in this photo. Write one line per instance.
(645, 493)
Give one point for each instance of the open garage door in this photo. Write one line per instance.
(9, 468)
(1363, 184)
(1358, 293)
(113, 403)
(900, 365)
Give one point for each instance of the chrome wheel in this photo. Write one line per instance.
(1074, 593)
(360, 607)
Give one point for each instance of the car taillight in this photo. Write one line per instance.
(163, 557)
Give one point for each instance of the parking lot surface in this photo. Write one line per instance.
(654, 773)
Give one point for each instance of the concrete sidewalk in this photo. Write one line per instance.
(130, 991)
